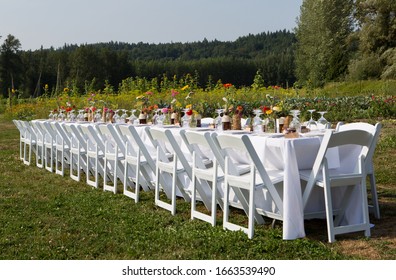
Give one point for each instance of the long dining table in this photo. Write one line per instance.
(275, 151)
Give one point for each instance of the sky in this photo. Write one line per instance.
(54, 23)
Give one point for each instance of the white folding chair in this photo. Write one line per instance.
(343, 179)
(375, 131)
(95, 154)
(259, 182)
(62, 148)
(40, 147)
(137, 160)
(49, 145)
(21, 130)
(169, 167)
(205, 176)
(114, 156)
(78, 152)
(29, 141)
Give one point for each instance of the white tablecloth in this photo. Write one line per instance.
(290, 155)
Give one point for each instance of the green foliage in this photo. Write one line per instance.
(322, 33)
(87, 68)
(10, 65)
(377, 40)
(342, 101)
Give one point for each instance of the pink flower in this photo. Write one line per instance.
(149, 93)
(174, 92)
(164, 110)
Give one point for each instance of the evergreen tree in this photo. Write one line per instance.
(10, 65)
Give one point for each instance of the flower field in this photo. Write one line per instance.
(342, 103)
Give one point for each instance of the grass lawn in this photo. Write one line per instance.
(45, 216)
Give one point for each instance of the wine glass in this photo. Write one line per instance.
(295, 123)
(132, 118)
(185, 119)
(311, 124)
(161, 118)
(217, 121)
(322, 121)
(257, 121)
(97, 116)
(80, 116)
(155, 117)
(124, 116)
(61, 116)
(51, 115)
(72, 116)
(116, 116)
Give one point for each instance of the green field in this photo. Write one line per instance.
(46, 216)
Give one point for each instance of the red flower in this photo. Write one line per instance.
(189, 112)
(228, 85)
(265, 108)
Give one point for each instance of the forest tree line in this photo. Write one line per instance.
(335, 40)
(94, 65)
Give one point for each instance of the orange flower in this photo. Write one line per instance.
(228, 85)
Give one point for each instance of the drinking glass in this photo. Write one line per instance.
(97, 116)
(295, 123)
(80, 116)
(61, 116)
(124, 116)
(116, 116)
(155, 117)
(185, 119)
(322, 121)
(311, 124)
(218, 120)
(51, 115)
(132, 118)
(257, 121)
(160, 118)
(72, 116)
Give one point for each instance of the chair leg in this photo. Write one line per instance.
(374, 196)
(365, 211)
(329, 209)
(174, 177)
(137, 183)
(251, 215)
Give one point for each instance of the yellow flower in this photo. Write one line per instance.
(185, 87)
(268, 112)
(277, 108)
